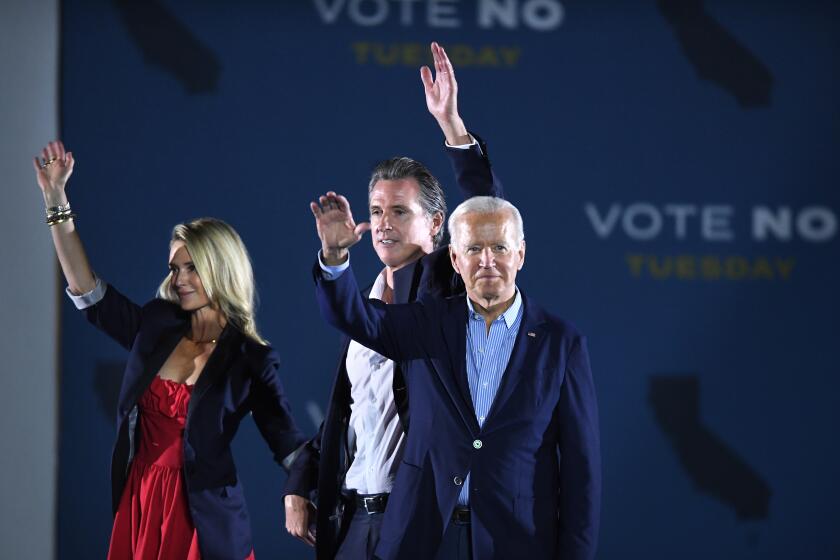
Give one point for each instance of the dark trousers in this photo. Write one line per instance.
(361, 536)
(456, 543)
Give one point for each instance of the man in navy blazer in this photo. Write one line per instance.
(502, 459)
(322, 464)
(349, 466)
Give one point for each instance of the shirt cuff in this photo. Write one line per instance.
(463, 146)
(90, 298)
(333, 272)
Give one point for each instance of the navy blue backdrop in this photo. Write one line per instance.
(676, 166)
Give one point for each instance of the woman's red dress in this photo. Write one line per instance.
(153, 520)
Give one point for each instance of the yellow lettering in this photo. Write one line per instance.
(385, 56)
(762, 269)
(685, 266)
(412, 54)
(510, 55)
(785, 267)
(658, 271)
(361, 50)
(711, 267)
(487, 57)
(417, 54)
(708, 267)
(736, 268)
(461, 55)
(634, 262)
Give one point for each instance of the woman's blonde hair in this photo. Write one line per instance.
(223, 264)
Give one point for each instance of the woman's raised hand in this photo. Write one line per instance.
(52, 169)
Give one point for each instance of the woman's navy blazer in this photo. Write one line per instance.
(241, 376)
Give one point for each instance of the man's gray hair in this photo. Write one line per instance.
(431, 197)
(486, 205)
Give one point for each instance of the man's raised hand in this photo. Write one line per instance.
(442, 97)
(336, 228)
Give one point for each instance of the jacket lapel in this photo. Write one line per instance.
(429, 276)
(436, 278)
(165, 344)
(455, 336)
(216, 364)
(529, 339)
(406, 281)
(413, 282)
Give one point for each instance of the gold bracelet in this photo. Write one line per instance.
(61, 208)
(56, 215)
(60, 218)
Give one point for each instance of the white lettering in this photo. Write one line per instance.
(643, 221)
(642, 232)
(765, 222)
(329, 13)
(407, 11)
(602, 226)
(443, 15)
(379, 14)
(715, 223)
(542, 15)
(493, 12)
(538, 15)
(816, 223)
(681, 212)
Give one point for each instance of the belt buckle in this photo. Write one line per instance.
(461, 516)
(369, 500)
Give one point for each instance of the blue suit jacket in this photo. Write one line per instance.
(535, 476)
(323, 462)
(240, 377)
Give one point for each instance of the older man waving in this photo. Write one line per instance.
(502, 459)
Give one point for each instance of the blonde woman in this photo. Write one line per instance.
(196, 367)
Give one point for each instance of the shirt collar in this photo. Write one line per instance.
(378, 287)
(510, 314)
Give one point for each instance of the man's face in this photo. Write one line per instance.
(487, 256)
(401, 230)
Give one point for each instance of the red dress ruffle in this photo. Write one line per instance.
(153, 520)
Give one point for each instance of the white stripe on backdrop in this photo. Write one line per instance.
(29, 44)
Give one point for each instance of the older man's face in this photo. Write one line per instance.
(487, 256)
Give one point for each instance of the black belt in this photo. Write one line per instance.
(372, 503)
(461, 515)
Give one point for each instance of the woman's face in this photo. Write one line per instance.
(185, 280)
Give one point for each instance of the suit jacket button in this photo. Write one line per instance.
(458, 481)
(477, 444)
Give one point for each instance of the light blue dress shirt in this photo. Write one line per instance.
(488, 355)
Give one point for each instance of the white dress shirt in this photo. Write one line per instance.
(374, 419)
(91, 298)
(373, 416)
